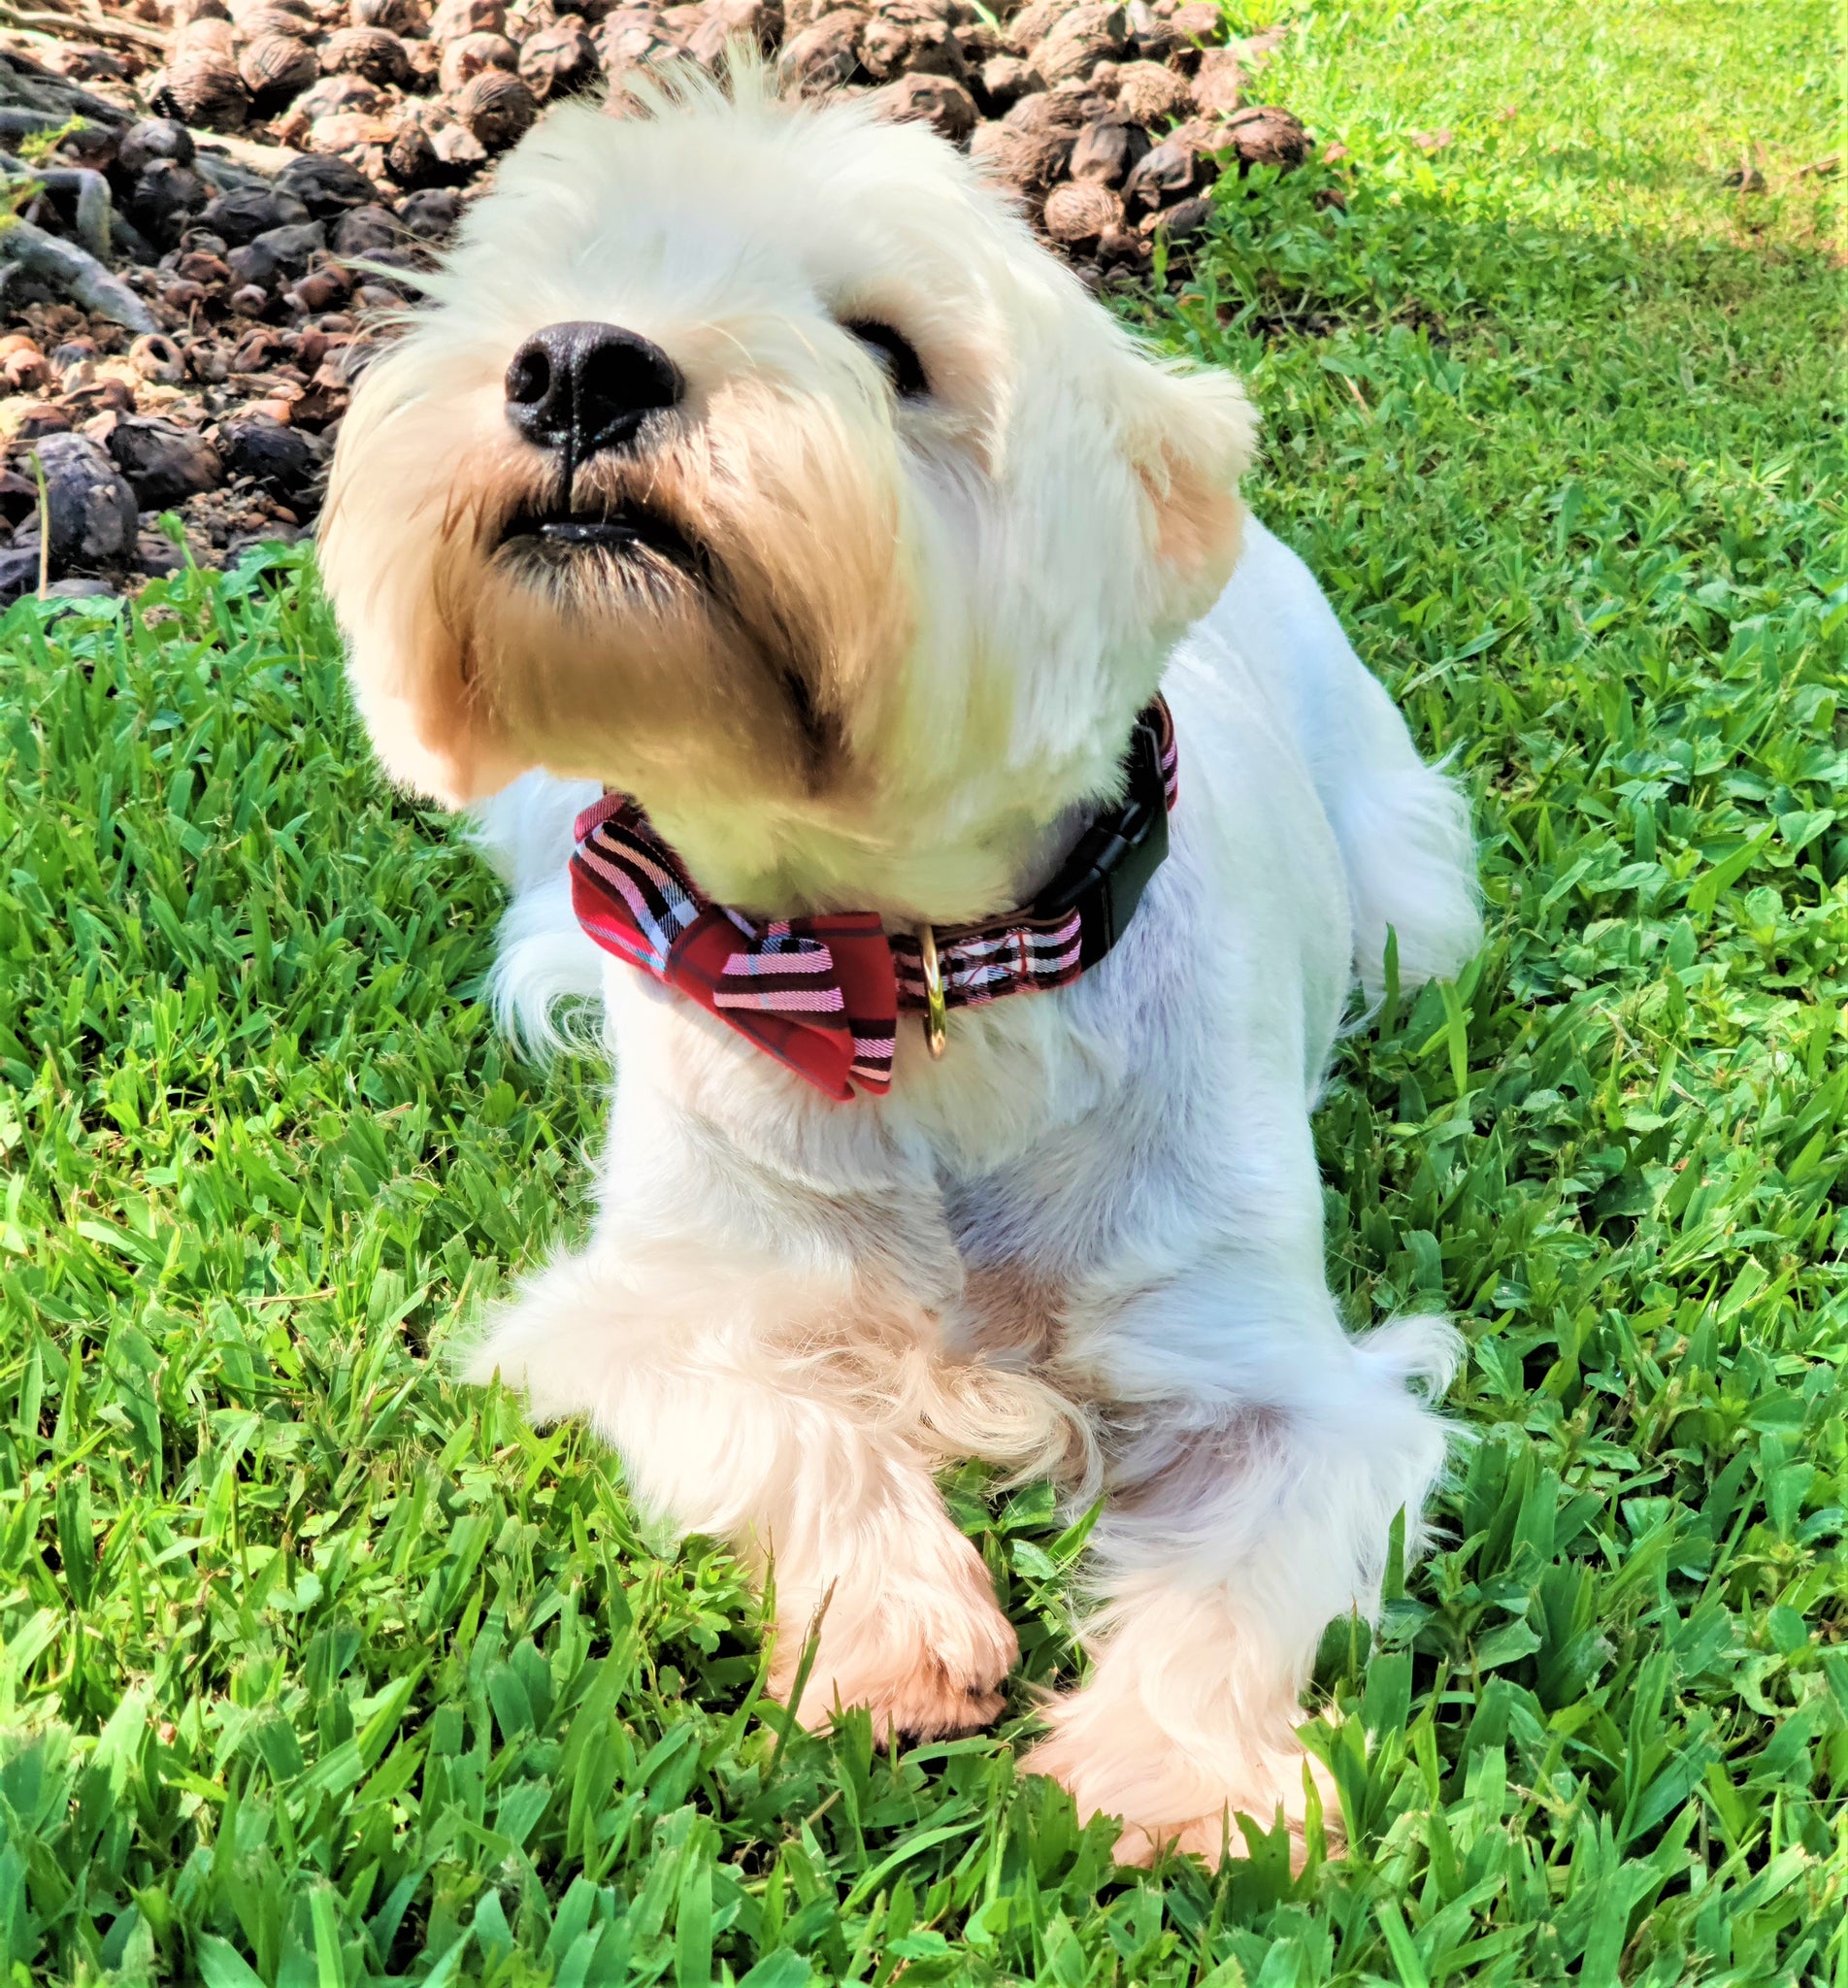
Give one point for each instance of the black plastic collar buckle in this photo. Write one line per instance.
(1110, 868)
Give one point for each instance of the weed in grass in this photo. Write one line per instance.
(315, 1670)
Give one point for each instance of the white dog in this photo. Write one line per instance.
(753, 462)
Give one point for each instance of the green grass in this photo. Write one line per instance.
(316, 1670)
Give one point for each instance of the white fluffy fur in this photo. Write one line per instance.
(1089, 1241)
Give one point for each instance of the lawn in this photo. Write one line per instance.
(315, 1669)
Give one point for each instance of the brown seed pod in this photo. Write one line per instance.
(25, 371)
(758, 22)
(256, 16)
(1029, 26)
(209, 33)
(396, 17)
(278, 66)
(372, 53)
(1218, 83)
(197, 266)
(1031, 160)
(1081, 39)
(1079, 212)
(1198, 21)
(939, 101)
(321, 289)
(1164, 176)
(457, 148)
(410, 159)
(1155, 40)
(1121, 249)
(1184, 220)
(257, 22)
(344, 132)
(980, 38)
(632, 39)
(559, 60)
(454, 18)
(163, 462)
(1267, 136)
(1150, 93)
(1007, 79)
(334, 95)
(496, 109)
(825, 55)
(903, 39)
(155, 356)
(468, 55)
(1106, 150)
(1048, 111)
(206, 89)
(681, 24)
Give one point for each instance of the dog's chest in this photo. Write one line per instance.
(1038, 1241)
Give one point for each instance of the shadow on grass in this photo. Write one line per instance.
(1333, 248)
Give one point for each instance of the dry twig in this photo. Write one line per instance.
(92, 25)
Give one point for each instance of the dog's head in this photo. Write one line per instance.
(755, 459)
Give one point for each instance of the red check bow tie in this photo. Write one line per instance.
(822, 994)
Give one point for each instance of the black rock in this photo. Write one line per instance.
(432, 213)
(366, 230)
(411, 159)
(92, 511)
(252, 263)
(19, 572)
(165, 198)
(293, 244)
(247, 212)
(325, 186)
(275, 459)
(156, 555)
(18, 497)
(152, 139)
(164, 463)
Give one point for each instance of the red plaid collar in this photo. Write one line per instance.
(822, 994)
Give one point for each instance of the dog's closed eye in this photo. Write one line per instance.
(895, 352)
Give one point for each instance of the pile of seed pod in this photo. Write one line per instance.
(246, 155)
(1104, 117)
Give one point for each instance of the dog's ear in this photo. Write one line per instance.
(1191, 436)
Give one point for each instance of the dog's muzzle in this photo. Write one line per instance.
(579, 390)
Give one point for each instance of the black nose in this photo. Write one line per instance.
(584, 388)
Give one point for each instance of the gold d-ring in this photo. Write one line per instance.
(935, 1012)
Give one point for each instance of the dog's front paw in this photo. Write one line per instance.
(1114, 1759)
(926, 1652)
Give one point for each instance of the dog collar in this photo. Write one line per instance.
(822, 994)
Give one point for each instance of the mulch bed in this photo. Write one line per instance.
(191, 188)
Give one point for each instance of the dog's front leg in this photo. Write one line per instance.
(753, 1404)
(1238, 1522)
